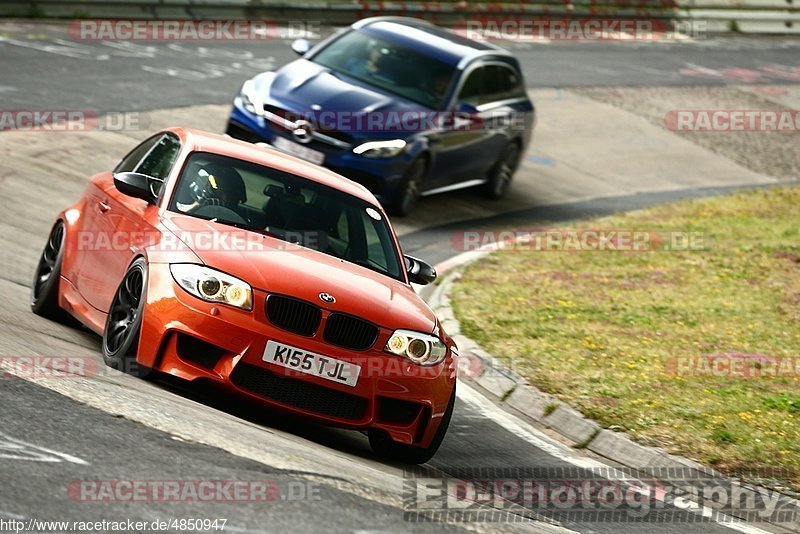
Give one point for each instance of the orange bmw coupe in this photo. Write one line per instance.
(205, 257)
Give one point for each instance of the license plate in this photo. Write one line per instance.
(311, 363)
(296, 149)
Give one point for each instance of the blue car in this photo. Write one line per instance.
(397, 104)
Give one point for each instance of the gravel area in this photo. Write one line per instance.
(773, 153)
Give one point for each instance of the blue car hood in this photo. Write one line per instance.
(303, 84)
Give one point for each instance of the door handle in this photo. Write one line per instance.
(103, 207)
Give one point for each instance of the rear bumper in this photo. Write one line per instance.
(182, 336)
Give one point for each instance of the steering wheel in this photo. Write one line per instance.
(221, 213)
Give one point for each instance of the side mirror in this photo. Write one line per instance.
(137, 185)
(466, 107)
(419, 272)
(301, 46)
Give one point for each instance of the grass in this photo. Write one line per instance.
(597, 329)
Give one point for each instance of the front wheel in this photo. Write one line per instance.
(501, 174)
(382, 445)
(124, 322)
(408, 193)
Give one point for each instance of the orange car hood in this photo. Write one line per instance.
(276, 266)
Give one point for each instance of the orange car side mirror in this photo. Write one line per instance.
(137, 185)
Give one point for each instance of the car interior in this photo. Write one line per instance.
(296, 210)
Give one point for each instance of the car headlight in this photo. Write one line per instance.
(212, 285)
(422, 349)
(250, 99)
(380, 149)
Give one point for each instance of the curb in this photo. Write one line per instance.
(510, 390)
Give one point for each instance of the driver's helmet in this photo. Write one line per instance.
(218, 185)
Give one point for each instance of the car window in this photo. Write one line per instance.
(502, 83)
(129, 162)
(153, 157)
(472, 88)
(389, 66)
(374, 242)
(159, 159)
(491, 83)
(286, 206)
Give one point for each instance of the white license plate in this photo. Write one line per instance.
(296, 149)
(311, 363)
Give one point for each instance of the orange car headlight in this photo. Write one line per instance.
(422, 349)
(212, 285)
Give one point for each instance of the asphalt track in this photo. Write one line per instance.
(108, 426)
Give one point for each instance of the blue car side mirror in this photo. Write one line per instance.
(301, 46)
(466, 107)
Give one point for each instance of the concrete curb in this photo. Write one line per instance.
(505, 387)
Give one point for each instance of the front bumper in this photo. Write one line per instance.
(193, 339)
(382, 176)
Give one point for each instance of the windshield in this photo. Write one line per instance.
(265, 200)
(390, 67)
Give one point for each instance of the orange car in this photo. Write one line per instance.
(209, 258)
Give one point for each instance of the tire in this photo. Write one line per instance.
(124, 322)
(502, 173)
(46, 278)
(408, 192)
(382, 445)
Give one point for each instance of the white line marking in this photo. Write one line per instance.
(61, 47)
(9, 515)
(523, 430)
(562, 452)
(15, 449)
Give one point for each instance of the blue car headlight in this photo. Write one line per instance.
(250, 99)
(380, 149)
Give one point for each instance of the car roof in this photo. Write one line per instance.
(202, 141)
(431, 40)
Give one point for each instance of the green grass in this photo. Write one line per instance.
(597, 329)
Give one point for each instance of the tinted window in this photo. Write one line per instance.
(472, 88)
(158, 162)
(391, 67)
(502, 83)
(491, 83)
(129, 162)
(288, 207)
